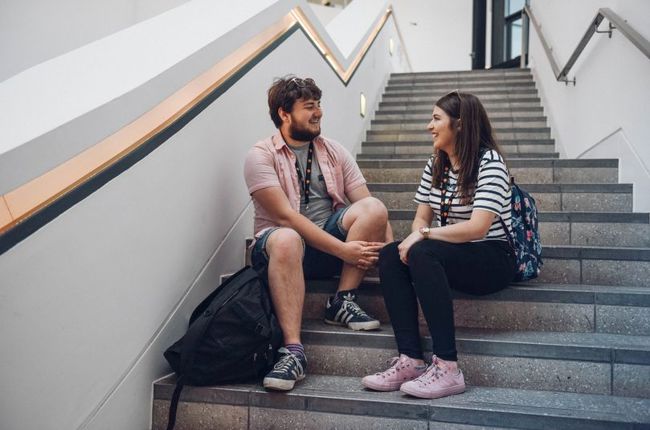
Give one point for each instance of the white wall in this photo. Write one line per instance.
(606, 114)
(34, 31)
(325, 13)
(89, 302)
(437, 33)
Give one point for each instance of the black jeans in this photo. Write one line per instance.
(434, 268)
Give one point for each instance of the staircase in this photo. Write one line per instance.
(569, 350)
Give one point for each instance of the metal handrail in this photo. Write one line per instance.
(615, 23)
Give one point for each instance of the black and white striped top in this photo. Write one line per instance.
(492, 194)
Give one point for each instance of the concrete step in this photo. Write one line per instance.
(425, 115)
(462, 85)
(479, 91)
(396, 106)
(485, 93)
(549, 197)
(590, 363)
(531, 171)
(508, 155)
(422, 134)
(555, 228)
(412, 122)
(463, 75)
(397, 126)
(422, 148)
(524, 109)
(595, 265)
(492, 98)
(336, 402)
(523, 306)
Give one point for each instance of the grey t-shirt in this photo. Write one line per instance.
(320, 203)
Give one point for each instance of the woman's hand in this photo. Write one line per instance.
(407, 243)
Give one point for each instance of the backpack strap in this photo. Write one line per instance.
(511, 240)
(171, 420)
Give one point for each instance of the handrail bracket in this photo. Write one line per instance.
(610, 31)
(568, 81)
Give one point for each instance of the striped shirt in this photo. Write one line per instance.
(492, 194)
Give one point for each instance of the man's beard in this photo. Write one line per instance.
(302, 134)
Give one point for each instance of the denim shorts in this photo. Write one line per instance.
(315, 264)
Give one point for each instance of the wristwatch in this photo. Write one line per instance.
(424, 231)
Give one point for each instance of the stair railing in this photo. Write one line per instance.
(615, 23)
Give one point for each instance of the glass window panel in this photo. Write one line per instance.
(513, 6)
(515, 41)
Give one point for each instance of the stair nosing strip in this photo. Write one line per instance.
(475, 342)
(580, 294)
(451, 410)
(402, 187)
(515, 162)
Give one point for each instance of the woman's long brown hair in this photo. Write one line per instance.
(472, 139)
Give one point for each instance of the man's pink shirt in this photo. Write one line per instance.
(270, 163)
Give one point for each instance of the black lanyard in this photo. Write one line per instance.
(445, 204)
(306, 182)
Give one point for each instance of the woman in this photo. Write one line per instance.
(466, 186)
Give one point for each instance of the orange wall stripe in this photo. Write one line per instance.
(5, 215)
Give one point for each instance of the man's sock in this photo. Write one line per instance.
(297, 349)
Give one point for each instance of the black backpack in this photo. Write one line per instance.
(232, 337)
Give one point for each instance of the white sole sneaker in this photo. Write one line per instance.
(356, 326)
(281, 384)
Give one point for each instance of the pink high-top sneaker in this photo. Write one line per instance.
(402, 369)
(435, 382)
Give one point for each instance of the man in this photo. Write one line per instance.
(299, 182)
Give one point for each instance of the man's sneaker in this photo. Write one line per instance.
(402, 369)
(435, 382)
(348, 313)
(287, 370)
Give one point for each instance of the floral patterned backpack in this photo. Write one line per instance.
(525, 234)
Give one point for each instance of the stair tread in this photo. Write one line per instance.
(425, 118)
(509, 155)
(425, 131)
(604, 348)
(567, 216)
(600, 341)
(413, 102)
(424, 142)
(527, 291)
(341, 394)
(619, 187)
(487, 72)
(529, 162)
(598, 248)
